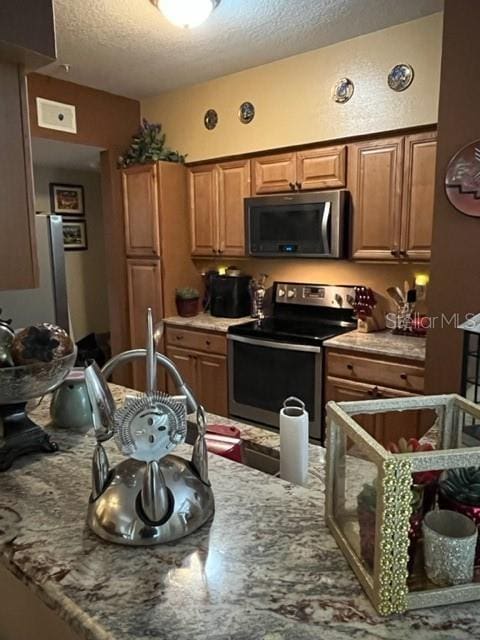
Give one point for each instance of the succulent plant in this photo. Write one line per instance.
(187, 293)
(149, 146)
(412, 446)
(462, 485)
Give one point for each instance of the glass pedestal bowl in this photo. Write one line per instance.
(18, 434)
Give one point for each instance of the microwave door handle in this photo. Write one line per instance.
(326, 218)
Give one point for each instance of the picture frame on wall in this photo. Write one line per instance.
(67, 199)
(75, 235)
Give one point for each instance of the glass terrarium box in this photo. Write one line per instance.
(379, 499)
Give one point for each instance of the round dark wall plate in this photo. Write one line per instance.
(462, 180)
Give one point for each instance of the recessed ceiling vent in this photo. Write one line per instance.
(56, 115)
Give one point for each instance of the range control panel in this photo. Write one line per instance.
(322, 295)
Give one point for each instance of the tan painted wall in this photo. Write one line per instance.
(293, 96)
(86, 270)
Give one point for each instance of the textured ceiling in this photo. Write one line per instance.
(127, 47)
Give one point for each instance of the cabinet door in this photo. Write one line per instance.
(144, 290)
(274, 174)
(340, 390)
(18, 256)
(212, 383)
(140, 207)
(418, 194)
(394, 425)
(202, 187)
(375, 172)
(322, 168)
(233, 187)
(186, 365)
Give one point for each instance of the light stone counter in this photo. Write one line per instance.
(380, 343)
(206, 322)
(265, 567)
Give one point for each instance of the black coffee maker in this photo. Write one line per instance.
(230, 296)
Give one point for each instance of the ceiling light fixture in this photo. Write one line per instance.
(186, 13)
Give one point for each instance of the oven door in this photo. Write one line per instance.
(263, 373)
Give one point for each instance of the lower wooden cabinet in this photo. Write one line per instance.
(203, 371)
(144, 280)
(387, 427)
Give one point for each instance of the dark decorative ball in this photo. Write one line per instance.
(40, 343)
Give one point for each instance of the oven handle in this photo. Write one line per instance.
(276, 345)
(326, 218)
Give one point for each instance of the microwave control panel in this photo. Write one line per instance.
(323, 295)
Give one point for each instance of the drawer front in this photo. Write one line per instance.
(379, 372)
(207, 342)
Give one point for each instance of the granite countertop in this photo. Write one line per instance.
(265, 567)
(205, 321)
(380, 343)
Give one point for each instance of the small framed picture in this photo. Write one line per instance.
(67, 199)
(75, 235)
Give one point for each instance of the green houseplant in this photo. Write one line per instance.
(186, 300)
(148, 145)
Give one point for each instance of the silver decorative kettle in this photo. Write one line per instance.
(153, 496)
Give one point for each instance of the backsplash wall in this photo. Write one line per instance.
(375, 275)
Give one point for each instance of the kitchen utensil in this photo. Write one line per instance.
(102, 402)
(70, 406)
(151, 497)
(294, 441)
(449, 543)
(396, 294)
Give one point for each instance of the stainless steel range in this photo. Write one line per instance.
(282, 355)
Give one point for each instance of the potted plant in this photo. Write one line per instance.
(187, 302)
(148, 145)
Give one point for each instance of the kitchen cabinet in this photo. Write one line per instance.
(144, 280)
(419, 193)
(322, 168)
(352, 377)
(27, 36)
(391, 182)
(140, 208)
(157, 247)
(202, 360)
(216, 198)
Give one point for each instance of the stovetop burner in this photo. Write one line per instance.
(303, 314)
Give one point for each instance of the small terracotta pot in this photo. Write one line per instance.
(187, 308)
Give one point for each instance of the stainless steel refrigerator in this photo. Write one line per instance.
(48, 303)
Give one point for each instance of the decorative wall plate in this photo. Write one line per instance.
(210, 119)
(462, 181)
(400, 77)
(246, 113)
(343, 90)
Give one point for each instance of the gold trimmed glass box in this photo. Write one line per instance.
(376, 500)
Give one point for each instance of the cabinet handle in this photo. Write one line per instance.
(395, 253)
(373, 392)
(298, 185)
(179, 337)
(292, 186)
(404, 254)
(403, 376)
(208, 343)
(350, 367)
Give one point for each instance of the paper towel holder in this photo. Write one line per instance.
(293, 410)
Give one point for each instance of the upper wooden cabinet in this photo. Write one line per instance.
(275, 173)
(323, 168)
(18, 257)
(418, 194)
(140, 206)
(391, 182)
(216, 195)
(375, 172)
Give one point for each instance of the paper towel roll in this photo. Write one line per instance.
(294, 441)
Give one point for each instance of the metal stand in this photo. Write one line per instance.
(19, 435)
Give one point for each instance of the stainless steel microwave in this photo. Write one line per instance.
(308, 225)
